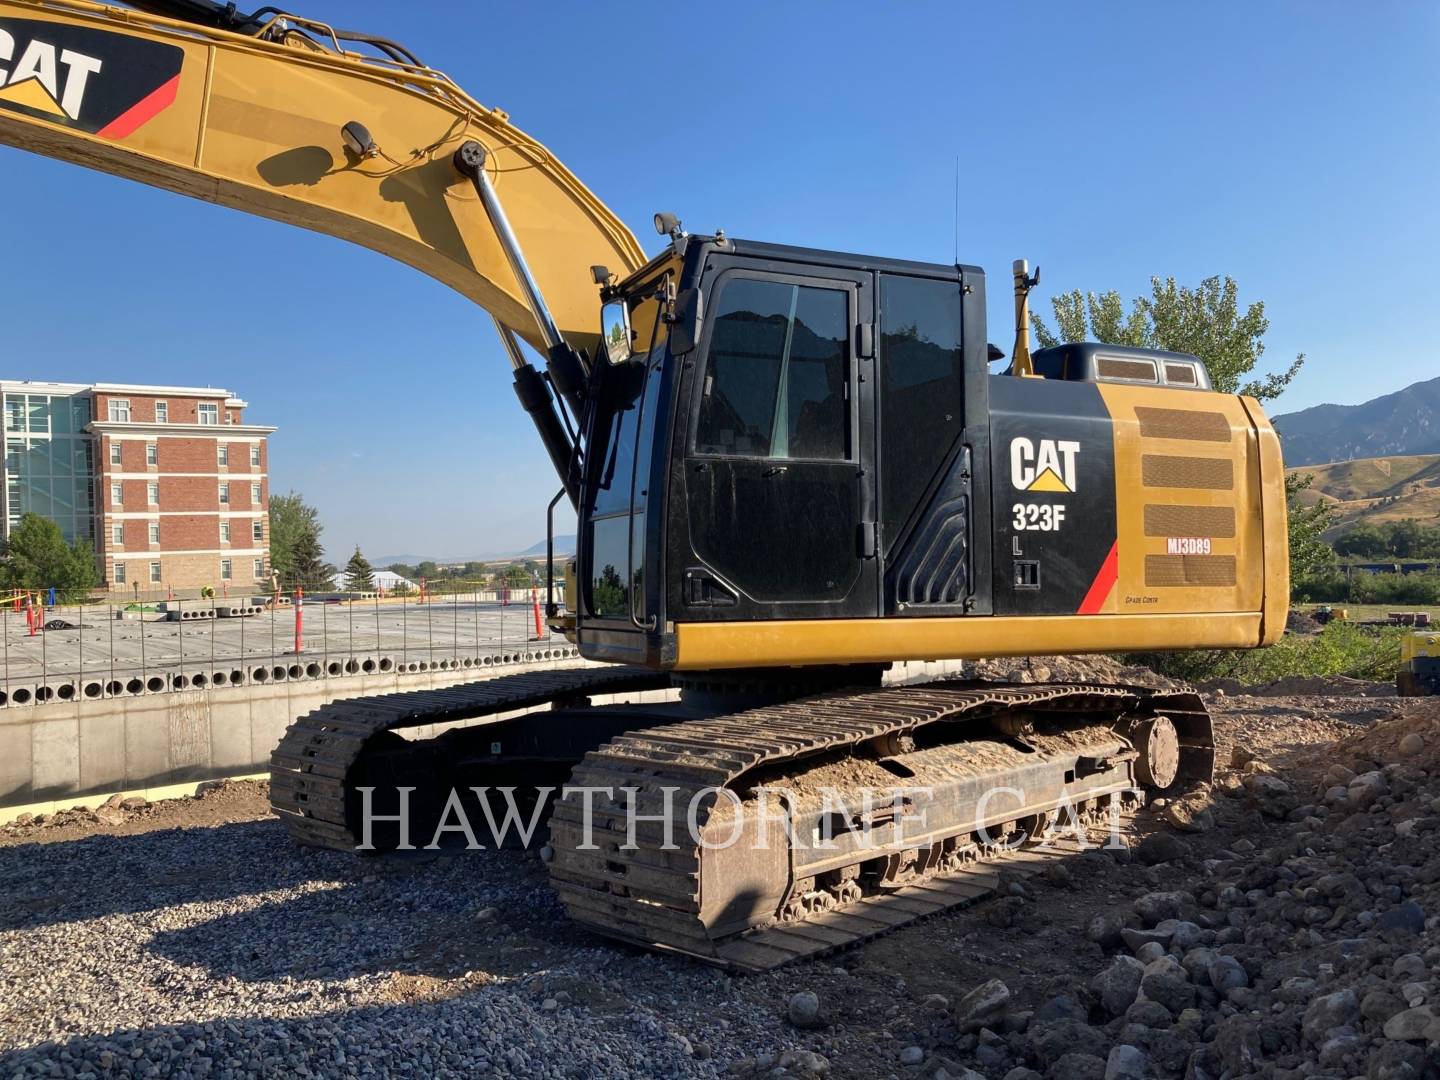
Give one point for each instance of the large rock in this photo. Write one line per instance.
(1271, 795)
(985, 1000)
(1328, 1012)
(1105, 929)
(1117, 985)
(1051, 1042)
(1125, 1063)
(1156, 907)
(1078, 1066)
(1366, 788)
(1226, 974)
(1184, 935)
(1237, 1044)
(1134, 939)
(804, 1010)
(1407, 919)
(1414, 1024)
(1165, 981)
(1160, 847)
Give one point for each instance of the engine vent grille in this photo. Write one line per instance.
(1166, 571)
(1192, 424)
(1166, 520)
(1169, 471)
(1110, 367)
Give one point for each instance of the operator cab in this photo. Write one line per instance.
(766, 425)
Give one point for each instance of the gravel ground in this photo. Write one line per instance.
(191, 938)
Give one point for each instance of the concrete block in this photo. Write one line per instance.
(188, 719)
(55, 757)
(147, 741)
(270, 714)
(15, 772)
(102, 749)
(230, 741)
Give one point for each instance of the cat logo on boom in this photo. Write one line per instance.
(1048, 466)
(103, 83)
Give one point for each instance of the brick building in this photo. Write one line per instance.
(170, 484)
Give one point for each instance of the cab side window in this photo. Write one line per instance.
(921, 390)
(777, 384)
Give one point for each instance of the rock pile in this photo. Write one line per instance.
(1307, 946)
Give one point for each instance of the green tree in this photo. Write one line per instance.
(1310, 555)
(427, 569)
(403, 569)
(1364, 540)
(359, 574)
(37, 557)
(1205, 321)
(295, 551)
(1406, 538)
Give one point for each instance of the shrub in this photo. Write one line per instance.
(1360, 652)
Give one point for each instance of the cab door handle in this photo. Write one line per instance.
(776, 470)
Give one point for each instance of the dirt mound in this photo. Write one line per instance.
(1300, 622)
(1091, 669)
(1412, 738)
(1320, 686)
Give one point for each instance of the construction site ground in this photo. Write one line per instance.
(1284, 921)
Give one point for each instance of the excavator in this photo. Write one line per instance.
(792, 470)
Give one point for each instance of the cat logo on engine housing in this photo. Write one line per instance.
(1046, 466)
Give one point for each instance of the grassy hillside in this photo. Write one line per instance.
(1377, 489)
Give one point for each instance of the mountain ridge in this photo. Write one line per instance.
(1403, 423)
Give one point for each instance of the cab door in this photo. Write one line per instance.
(778, 481)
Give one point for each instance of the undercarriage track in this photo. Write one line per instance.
(1086, 747)
(664, 898)
(312, 768)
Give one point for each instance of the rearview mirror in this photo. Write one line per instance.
(615, 331)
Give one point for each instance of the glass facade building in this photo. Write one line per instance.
(49, 463)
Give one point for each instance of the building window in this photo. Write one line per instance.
(114, 452)
(162, 412)
(255, 456)
(257, 530)
(15, 414)
(120, 410)
(222, 453)
(154, 532)
(152, 494)
(224, 494)
(255, 494)
(117, 535)
(119, 573)
(230, 417)
(224, 532)
(259, 568)
(155, 572)
(209, 415)
(225, 574)
(152, 454)
(117, 496)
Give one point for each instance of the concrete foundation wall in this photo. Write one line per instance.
(162, 744)
(61, 752)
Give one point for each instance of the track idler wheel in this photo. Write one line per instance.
(1158, 744)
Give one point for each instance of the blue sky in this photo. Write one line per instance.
(1293, 146)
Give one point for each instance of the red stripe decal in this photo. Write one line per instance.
(1103, 583)
(142, 112)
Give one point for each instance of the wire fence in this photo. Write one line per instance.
(150, 644)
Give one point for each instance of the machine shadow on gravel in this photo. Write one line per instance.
(98, 876)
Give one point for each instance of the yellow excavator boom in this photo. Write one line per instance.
(254, 122)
